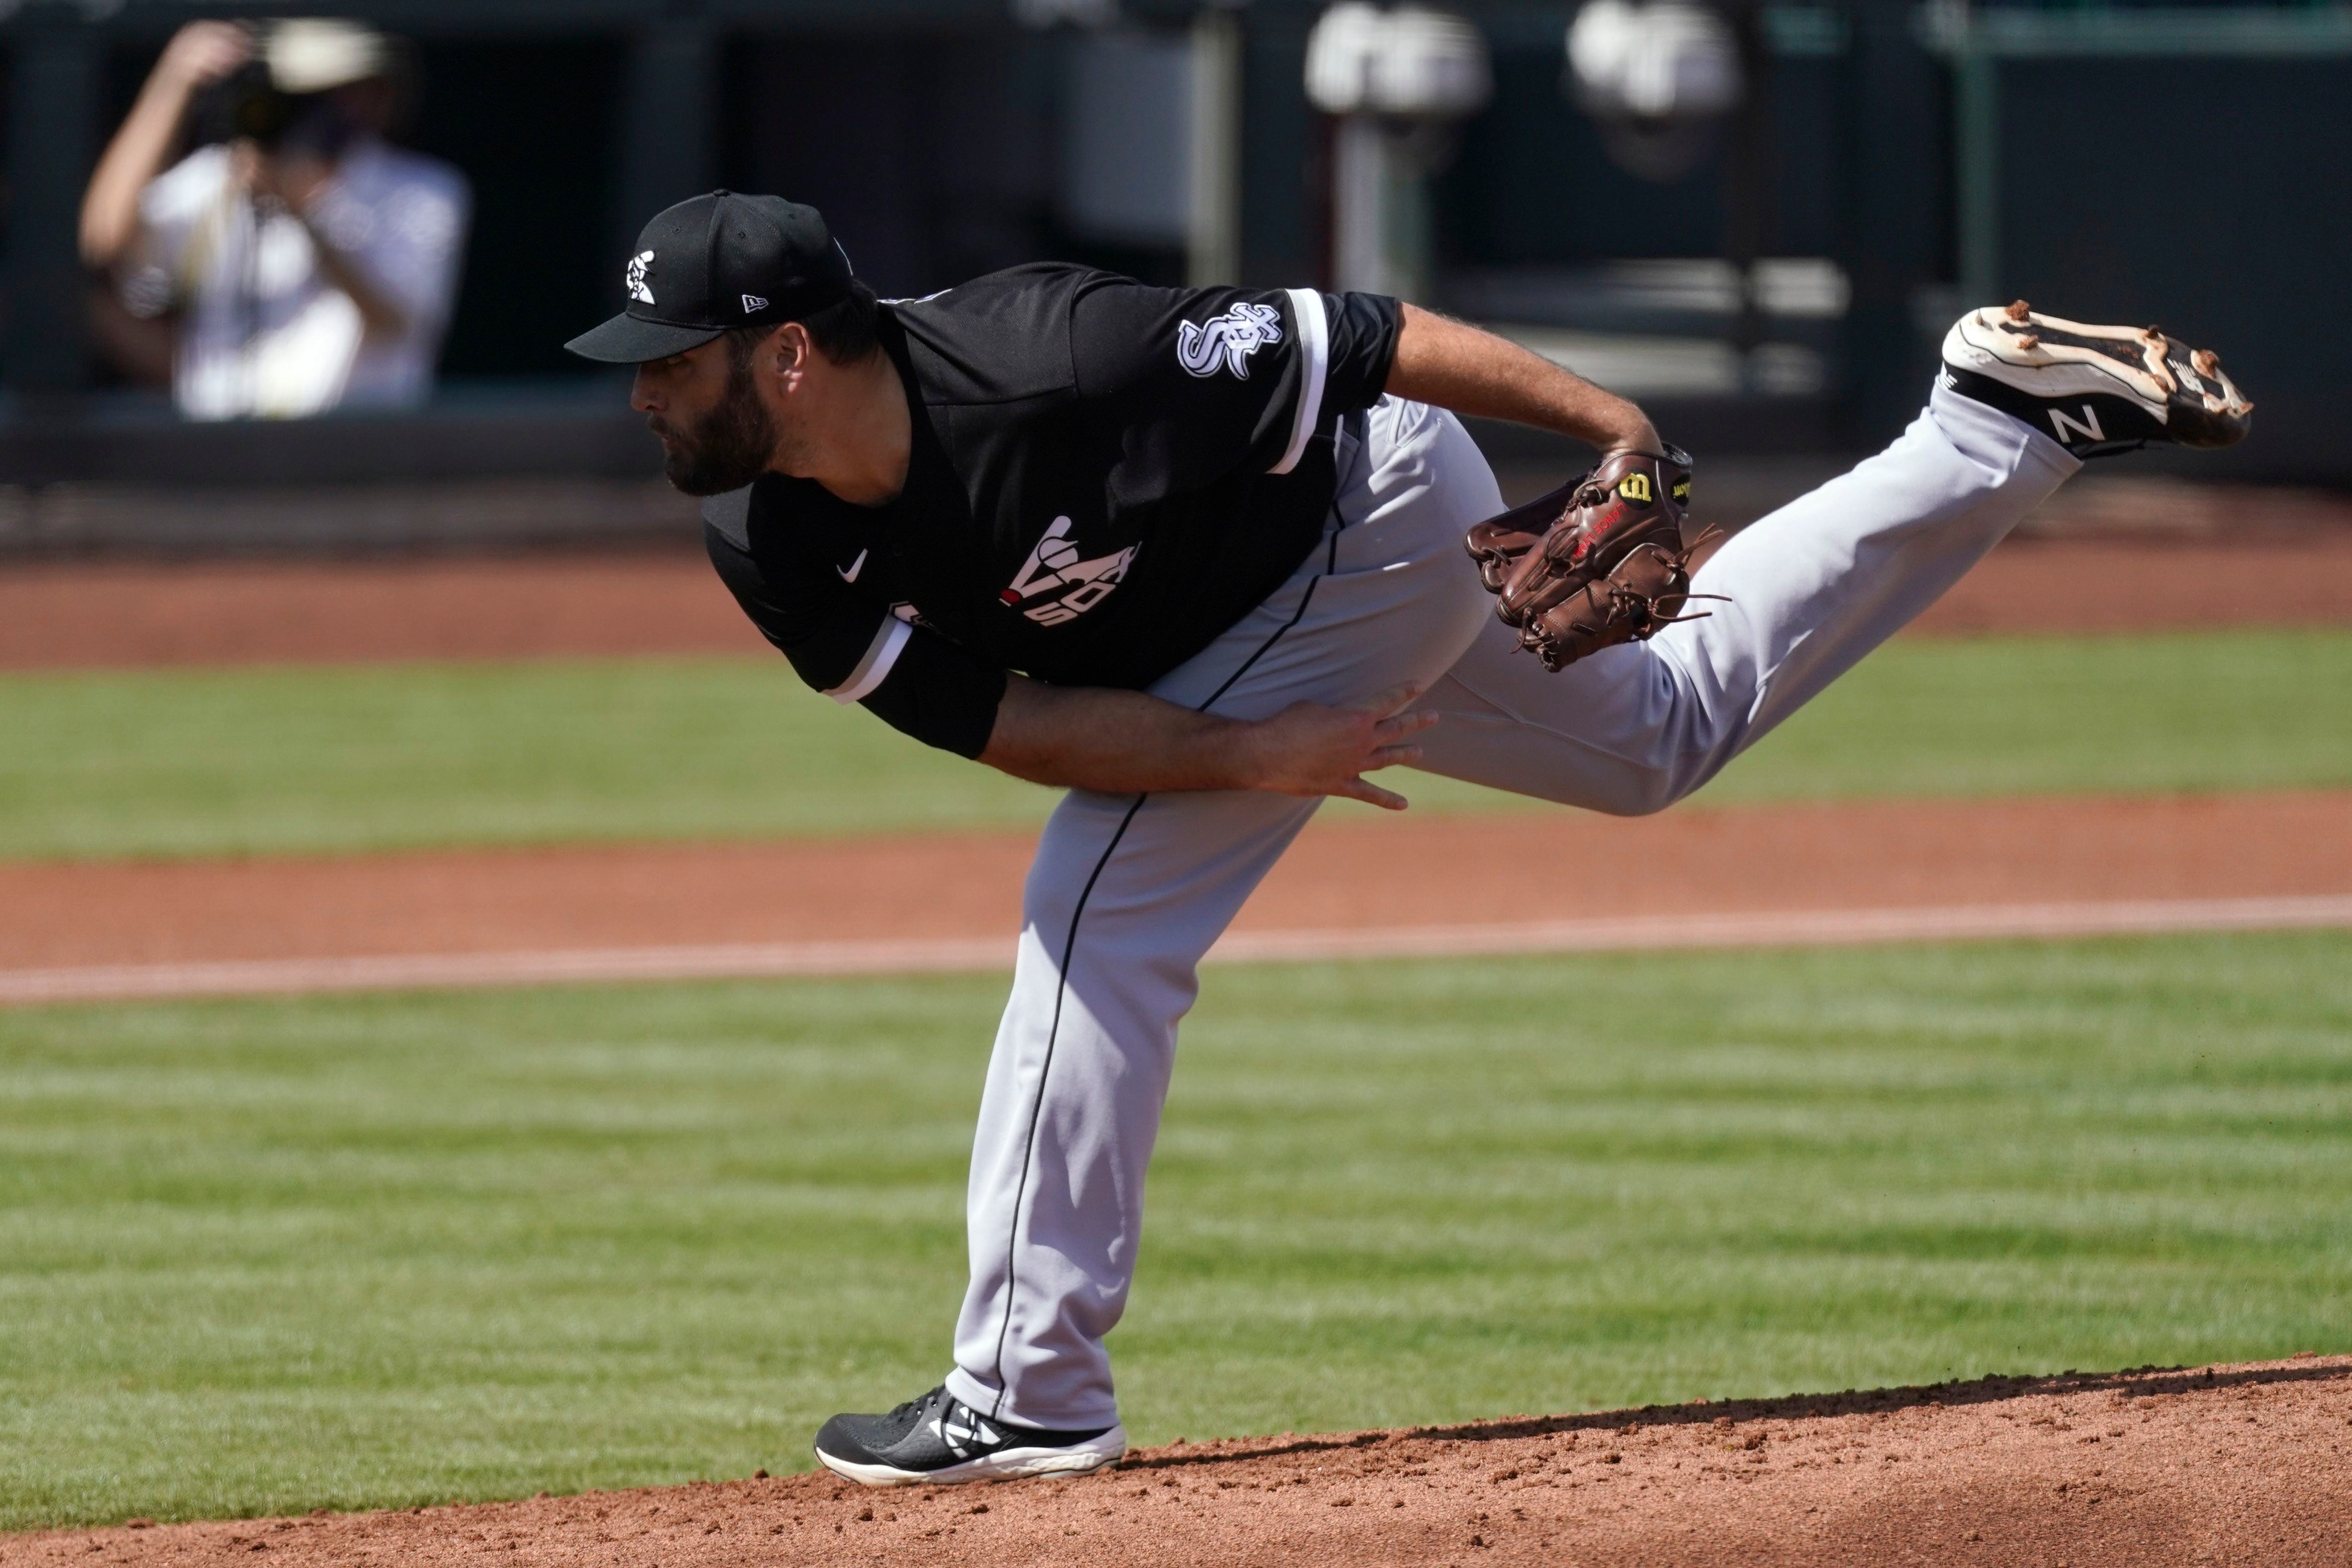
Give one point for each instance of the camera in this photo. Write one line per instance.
(249, 106)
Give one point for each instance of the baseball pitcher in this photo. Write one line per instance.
(1204, 557)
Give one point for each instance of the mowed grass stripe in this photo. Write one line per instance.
(354, 759)
(275, 1256)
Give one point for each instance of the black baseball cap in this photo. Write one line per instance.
(715, 263)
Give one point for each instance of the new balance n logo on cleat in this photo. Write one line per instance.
(2068, 429)
(963, 1439)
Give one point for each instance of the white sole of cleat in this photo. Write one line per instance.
(1004, 1465)
(2014, 345)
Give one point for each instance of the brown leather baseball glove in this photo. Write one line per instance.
(1596, 563)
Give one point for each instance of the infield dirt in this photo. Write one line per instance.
(1339, 876)
(2215, 1465)
(98, 614)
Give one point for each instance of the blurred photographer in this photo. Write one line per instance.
(304, 263)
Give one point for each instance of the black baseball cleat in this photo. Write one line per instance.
(2097, 390)
(939, 1440)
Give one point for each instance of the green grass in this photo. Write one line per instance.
(279, 761)
(265, 1256)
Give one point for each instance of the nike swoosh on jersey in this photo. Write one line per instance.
(849, 572)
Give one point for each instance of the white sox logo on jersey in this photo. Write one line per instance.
(1227, 341)
(1074, 587)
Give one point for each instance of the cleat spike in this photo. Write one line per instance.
(2019, 310)
(2205, 362)
(2028, 340)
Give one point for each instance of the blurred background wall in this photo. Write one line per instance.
(1780, 291)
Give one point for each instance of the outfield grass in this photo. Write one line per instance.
(266, 1256)
(273, 761)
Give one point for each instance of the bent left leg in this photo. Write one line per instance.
(1128, 892)
(1811, 589)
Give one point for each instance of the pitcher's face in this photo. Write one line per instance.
(716, 433)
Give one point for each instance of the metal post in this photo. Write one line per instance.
(1407, 219)
(1891, 218)
(52, 146)
(1977, 116)
(1286, 234)
(1361, 187)
(1213, 236)
(1747, 184)
(669, 112)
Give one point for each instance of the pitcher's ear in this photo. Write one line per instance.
(789, 344)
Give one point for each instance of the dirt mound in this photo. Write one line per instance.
(2211, 1465)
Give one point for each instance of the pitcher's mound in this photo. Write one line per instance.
(2210, 1465)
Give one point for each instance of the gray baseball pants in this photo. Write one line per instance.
(1129, 891)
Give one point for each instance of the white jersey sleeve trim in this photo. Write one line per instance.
(889, 642)
(1314, 344)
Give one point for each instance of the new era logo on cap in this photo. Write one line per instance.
(753, 304)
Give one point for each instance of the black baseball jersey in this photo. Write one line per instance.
(1104, 477)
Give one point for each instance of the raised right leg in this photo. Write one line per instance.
(1811, 589)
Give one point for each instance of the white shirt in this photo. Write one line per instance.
(265, 334)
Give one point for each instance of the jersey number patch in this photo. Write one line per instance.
(1226, 342)
(1069, 586)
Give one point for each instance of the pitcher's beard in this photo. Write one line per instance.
(727, 448)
